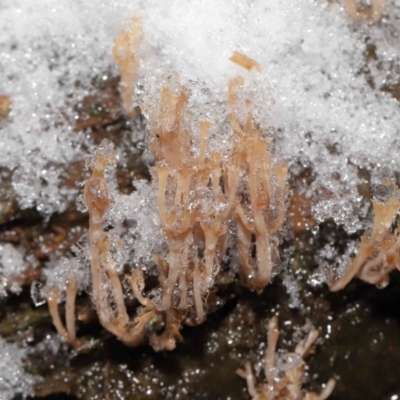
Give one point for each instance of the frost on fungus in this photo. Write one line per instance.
(373, 12)
(125, 52)
(205, 197)
(284, 372)
(379, 250)
(227, 95)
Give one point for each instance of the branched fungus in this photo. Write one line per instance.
(260, 212)
(284, 376)
(379, 249)
(107, 290)
(202, 191)
(186, 184)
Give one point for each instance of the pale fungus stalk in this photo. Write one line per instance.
(200, 194)
(125, 52)
(378, 254)
(284, 383)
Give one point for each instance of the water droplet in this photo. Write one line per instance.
(383, 284)
(141, 145)
(37, 293)
(315, 230)
(81, 204)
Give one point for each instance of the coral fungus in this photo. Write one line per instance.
(245, 62)
(261, 212)
(200, 195)
(107, 288)
(125, 52)
(378, 254)
(284, 376)
(184, 181)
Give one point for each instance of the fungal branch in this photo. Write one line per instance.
(372, 13)
(379, 250)
(107, 290)
(189, 189)
(260, 210)
(191, 185)
(284, 377)
(53, 296)
(203, 191)
(126, 54)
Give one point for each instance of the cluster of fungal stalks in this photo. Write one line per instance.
(200, 195)
(284, 373)
(261, 211)
(205, 195)
(191, 186)
(380, 248)
(107, 290)
(53, 296)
